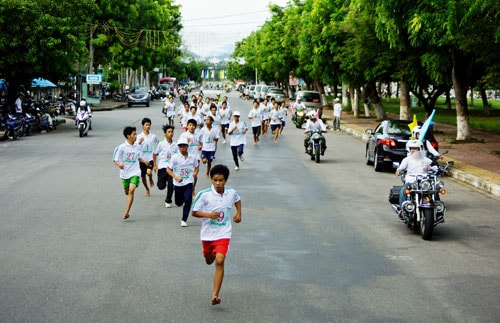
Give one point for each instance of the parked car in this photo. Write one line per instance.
(256, 94)
(263, 91)
(386, 146)
(276, 93)
(138, 95)
(311, 100)
(251, 91)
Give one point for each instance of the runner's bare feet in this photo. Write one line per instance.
(125, 216)
(147, 193)
(216, 300)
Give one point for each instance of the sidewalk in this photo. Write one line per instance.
(472, 172)
(480, 178)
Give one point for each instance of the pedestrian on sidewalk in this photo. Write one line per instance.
(337, 111)
(127, 157)
(148, 143)
(214, 205)
(184, 169)
(162, 155)
(237, 131)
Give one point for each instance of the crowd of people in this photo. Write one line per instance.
(205, 123)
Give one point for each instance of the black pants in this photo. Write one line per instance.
(237, 151)
(184, 195)
(165, 180)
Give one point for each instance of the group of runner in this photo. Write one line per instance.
(177, 166)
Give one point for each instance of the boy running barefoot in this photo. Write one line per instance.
(214, 206)
(148, 143)
(127, 157)
(209, 136)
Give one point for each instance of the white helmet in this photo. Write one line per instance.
(415, 144)
(312, 115)
(83, 103)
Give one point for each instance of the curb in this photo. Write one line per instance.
(481, 179)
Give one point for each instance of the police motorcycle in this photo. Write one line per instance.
(315, 145)
(83, 119)
(423, 208)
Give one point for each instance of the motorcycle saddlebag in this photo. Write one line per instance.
(394, 194)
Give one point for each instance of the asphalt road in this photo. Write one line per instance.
(317, 242)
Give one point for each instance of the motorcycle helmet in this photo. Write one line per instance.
(312, 115)
(83, 103)
(415, 132)
(415, 144)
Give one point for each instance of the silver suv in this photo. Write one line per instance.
(311, 99)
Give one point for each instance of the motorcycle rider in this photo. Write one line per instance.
(415, 164)
(85, 107)
(313, 123)
(415, 134)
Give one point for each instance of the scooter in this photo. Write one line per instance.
(83, 122)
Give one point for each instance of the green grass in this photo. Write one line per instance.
(477, 120)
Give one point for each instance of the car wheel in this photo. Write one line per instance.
(368, 161)
(378, 166)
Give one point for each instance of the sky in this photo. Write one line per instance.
(211, 27)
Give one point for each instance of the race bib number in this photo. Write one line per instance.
(184, 173)
(223, 218)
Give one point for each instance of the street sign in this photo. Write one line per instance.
(94, 79)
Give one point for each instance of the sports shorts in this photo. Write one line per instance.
(132, 180)
(216, 246)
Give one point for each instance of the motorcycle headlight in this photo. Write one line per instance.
(408, 206)
(300, 113)
(414, 185)
(425, 185)
(440, 207)
(439, 185)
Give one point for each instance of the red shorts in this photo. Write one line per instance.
(217, 246)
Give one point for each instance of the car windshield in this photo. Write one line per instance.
(139, 90)
(398, 128)
(310, 97)
(276, 91)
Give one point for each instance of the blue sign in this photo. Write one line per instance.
(94, 79)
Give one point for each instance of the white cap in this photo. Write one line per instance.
(236, 113)
(182, 141)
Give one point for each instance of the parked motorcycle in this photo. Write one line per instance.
(423, 209)
(83, 122)
(71, 107)
(14, 127)
(315, 145)
(28, 120)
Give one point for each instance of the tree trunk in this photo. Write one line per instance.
(365, 99)
(354, 102)
(345, 97)
(462, 69)
(371, 91)
(405, 102)
(484, 98)
(448, 100)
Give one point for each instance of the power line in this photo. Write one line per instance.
(235, 15)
